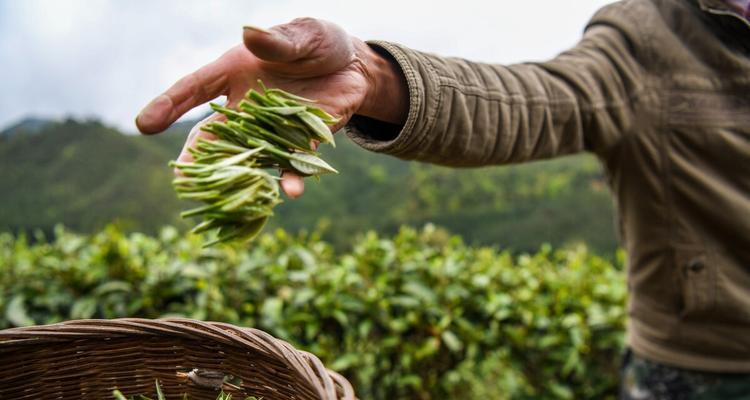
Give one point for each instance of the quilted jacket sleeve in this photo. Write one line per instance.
(466, 113)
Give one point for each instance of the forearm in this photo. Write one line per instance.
(467, 114)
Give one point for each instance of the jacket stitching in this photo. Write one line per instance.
(432, 119)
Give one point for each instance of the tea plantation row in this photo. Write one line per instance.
(419, 315)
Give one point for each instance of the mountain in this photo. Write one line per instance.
(26, 126)
(85, 174)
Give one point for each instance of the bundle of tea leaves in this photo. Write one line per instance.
(271, 129)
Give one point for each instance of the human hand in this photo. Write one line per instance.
(312, 58)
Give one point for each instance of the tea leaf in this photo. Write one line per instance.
(288, 110)
(159, 394)
(318, 126)
(118, 395)
(16, 312)
(327, 118)
(289, 96)
(451, 341)
(309, 164)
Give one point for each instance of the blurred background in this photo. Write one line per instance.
(77, 72)
(414, 281)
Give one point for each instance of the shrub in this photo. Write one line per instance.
(418, 315)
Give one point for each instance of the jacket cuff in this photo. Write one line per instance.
(424, 96)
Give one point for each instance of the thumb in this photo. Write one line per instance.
(315, 47)
(270, 45)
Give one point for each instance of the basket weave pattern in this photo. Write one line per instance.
(89, 358)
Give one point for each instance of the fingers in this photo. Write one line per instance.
(292, 184)
(314, 47)
(196, 134)
(189, 92)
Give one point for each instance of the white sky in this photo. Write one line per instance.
(107, 58)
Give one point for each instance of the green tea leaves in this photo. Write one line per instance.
(318, 126)
(309, 164)
(269, 130)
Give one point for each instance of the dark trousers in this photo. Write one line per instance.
(642, 379)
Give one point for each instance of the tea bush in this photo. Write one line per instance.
(418, 315)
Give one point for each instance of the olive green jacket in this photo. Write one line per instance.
(659, 90)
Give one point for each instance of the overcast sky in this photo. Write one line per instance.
(107, 58)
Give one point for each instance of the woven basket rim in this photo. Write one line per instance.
(308, 369)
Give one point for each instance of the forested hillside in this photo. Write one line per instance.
(85, 174)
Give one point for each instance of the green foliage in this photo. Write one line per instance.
(84, 174)
(418, 315)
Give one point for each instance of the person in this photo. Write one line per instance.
(658, 90)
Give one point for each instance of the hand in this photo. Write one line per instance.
(312, 58)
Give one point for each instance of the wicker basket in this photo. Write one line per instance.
(89, 358)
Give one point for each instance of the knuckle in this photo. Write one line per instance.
(309, 31)
(307, 22)
(197, 90)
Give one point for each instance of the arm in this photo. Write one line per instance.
(419, 106)
(471, 114)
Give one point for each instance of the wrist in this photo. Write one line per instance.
(387, 97)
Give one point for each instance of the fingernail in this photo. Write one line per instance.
(257, 29)
(153, 114)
